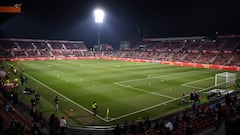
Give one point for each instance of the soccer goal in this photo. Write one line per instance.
(225, 79)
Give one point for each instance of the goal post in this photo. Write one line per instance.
(225, 79)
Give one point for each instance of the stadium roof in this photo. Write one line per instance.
(7, 12)
(174, 38)
(9, 9)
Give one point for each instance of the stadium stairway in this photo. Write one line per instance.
(18, 113)
(5, 118)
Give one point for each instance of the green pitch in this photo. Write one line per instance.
(130, 90)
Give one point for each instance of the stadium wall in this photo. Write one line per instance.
(197, 65)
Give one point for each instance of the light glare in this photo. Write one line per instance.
(99, 15)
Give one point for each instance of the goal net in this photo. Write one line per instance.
(225, 79)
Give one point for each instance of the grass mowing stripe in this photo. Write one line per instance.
(153, 93)
(163, 95)
(103, 75)
(62, 95)
(116, 117)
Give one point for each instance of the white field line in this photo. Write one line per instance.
(151, 107)
(118, 83)
(142, 110)
(157, 105)
(155, 76)
(189, 86)
(201, 89)
(153, 93)
(116, 118)
(207, 88)
(197, 81)
(70, 100)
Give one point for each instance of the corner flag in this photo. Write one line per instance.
(107, 113)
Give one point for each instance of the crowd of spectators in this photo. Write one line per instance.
(219, 51)
(197, 117)
(12, 120)
(189, 122)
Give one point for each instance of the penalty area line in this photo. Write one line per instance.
(153, 93)
(142, 110)
(198, 80)
(195, 87)
(156, 76)
(189, 86)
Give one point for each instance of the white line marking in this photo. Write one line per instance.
(189, 86)
(118, 83)
(155, 77)
(63, 96)
(197, 81)
(195, 87)
(144, 109)
(157, 105)
(153, 93)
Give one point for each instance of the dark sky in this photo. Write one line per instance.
(124, 19)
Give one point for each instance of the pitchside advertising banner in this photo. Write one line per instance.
(213, 66)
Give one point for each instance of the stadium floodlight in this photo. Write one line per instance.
(99, 17)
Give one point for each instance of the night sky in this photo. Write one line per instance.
(124, 19)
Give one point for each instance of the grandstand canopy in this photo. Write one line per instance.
(173, 38)
(7, 12)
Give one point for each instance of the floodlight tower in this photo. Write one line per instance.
(99, 16)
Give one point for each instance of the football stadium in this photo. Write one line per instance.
(158, 86)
